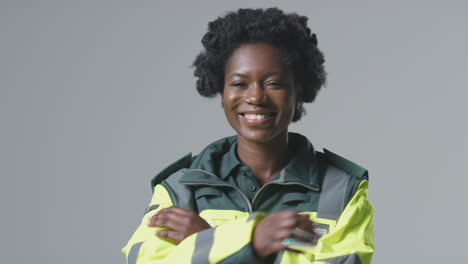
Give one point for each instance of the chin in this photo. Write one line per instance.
(258, 136)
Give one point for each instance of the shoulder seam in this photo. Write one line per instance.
(174, 167)
(345, 164)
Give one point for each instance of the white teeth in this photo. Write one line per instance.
(256, 117)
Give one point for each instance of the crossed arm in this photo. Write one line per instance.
(171, 234)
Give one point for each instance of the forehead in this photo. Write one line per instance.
(255, 57)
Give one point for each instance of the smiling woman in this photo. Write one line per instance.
(264, 195)
(259, 93)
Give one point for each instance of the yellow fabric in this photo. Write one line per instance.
(292, 257)
(231, 237)
(145, 233)
(218, 217)
(231, 224)
(353, 232)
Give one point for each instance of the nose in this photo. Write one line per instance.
(255, 94)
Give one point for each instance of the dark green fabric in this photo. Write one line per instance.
(246, 255)
(351, 168)
(346, 165)
(306, 168)
(183, 162)
(245, 180)
(219, 181)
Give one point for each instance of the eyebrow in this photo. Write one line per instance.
(266, 74)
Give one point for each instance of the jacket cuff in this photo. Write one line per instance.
(247, 255)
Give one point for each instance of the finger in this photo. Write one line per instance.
(281, 235)
(181, 211)
(165, 211)
(302, 235)
(286, 219)
(170, 235)
(154, 221)
(181, 219)
(165, 216)
(171, 215)
(169, 223)
(304, 221)
(175, 210)
(307, 225)
(287, 213)
(277, 246)
(288, 223)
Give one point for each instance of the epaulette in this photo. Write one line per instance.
(345, 165)
(181, 163)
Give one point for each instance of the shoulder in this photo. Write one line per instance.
(167, 182)
(340, 171)
(344, 164)
(210, 152)
(181, 163)
(341, 177)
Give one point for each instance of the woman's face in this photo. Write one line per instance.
(260, 94)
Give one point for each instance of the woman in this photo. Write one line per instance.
(264, 195)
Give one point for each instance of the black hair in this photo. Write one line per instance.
(288, 32)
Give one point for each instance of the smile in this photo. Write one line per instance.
(258, 117)
(255, 118)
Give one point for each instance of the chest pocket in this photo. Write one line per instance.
(207, 192)
(296, 201)
(293, 199)
(219, 217)
(209, 201)
(206, 197)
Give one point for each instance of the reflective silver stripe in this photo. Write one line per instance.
(183, 192)
(279, 256)
(133, 254)
(333, 193)
(346, 259)
(203, 244)
(252, 216)
(281, 179)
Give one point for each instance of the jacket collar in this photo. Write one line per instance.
(216, 162)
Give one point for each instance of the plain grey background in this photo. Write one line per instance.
(96, 97)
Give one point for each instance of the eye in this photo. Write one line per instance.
(274, 84)
(239, 84)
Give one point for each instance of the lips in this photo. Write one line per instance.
(258, 117)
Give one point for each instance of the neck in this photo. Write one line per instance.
(265, 159)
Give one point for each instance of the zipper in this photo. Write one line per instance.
(247, 201)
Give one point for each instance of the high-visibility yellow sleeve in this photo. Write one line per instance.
(136, 244)
(352, 239)
(226, 242)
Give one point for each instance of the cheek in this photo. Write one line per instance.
(287, 102)
(229, 106)
(230, 100)
(288, 107)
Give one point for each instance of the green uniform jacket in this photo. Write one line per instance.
(330, 189)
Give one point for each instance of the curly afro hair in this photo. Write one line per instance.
(287, 32)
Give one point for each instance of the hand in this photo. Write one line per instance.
(179, 223)
(274, 228)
